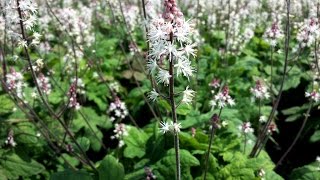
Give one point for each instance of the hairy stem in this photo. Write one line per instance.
(209, 148)
(174, 115)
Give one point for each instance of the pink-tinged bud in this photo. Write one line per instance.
(169, 29)
(165, 15)
(169, 5)
(179, 22)
(171, 16)
(193, 132)
(160, 21)
(179, 14)
(173, 9)
(225, 91)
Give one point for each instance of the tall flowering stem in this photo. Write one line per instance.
(264, 134)
(173, 107)
(40, 91)
(169, 52)
(214, 120)
(174, 117)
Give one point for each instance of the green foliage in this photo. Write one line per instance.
(166, 166)
(135, 143)
(13, 166)
(110, 169)
(71, 175)
(308, 172)
(88, 120)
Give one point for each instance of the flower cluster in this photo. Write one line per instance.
(10, 140)
(149, 174)
(29, 11)
(262, 174)
(115, 87)
(314, 95)
(117, 110)
(260, 91)
(72, 94)
(80, 85)
(172, 127)
(273, 34)
(69, 148)
(164, 32)
(246, 128)
(120, 131)
(15, 82)
(309, 32)
(272, 127)
(44, 84)
(215, 83)
(263, 119)
(38, 65)
(222, 99)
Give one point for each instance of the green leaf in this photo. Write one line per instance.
(184, 109)
(6, 104)
(55, 97)
(135, 143)
(247, 63)
(166, 167)
(293, 78)
(14, 166)
(139, 91)
(71, 175)
(315, 137)
(94, 120)
(308, 172)
(84, 144)
(110, 169)
(292, 110)
(293, 117)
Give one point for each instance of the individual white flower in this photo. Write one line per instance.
(224, 123)
(188, 95)
(163, 76)
(175, 127)
(183, 66)
(157, 50)
(263, 119)
(260, 91)
(212, 103)
(152, 66)
(223, 98)
(246, 128)
(165, 127)
(156, 33)
(34, 94)
(189, 50)
(22, 43)
(153, 95)
(172, 50)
